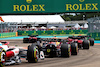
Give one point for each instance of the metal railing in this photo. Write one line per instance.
(94, 24)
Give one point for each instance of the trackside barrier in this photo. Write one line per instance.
(95, 35)
(52, 32)
(10, 34)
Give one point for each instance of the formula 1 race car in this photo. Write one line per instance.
(91, 40)
(31, 39)
(59, 47)
(82, 41)
(12, 55)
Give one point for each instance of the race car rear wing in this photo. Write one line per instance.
(78, 37)
(54, 40)
(33, 35)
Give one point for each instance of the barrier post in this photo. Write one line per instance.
(16, 33)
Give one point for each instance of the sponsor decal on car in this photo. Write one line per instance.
(48, 50)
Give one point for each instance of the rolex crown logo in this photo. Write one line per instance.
(28, 1)
(81, 0)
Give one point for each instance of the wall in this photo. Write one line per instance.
(52, 32)
(95, 35)
(10, 34)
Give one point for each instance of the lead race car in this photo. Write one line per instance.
(53, 48)
(59, 47)
(12, 55)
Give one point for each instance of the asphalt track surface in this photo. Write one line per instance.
(85, 58)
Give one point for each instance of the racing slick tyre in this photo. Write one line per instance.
(65, 50)
(74, 48)
(91, 42)
(85, 44)
(25, 40)
(32, 54)
(3, 57)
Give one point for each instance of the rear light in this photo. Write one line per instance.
(36, 57)
(36, 52)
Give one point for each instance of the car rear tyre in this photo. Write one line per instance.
(65, 50)
(86, 44)
(91, 42)
(74, 48)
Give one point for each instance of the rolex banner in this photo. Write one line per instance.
(48, 6)
(9, 34)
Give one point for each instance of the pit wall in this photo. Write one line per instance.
(52, 32)
(10, 34)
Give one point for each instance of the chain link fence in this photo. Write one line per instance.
(8, 27)
(94, 24)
